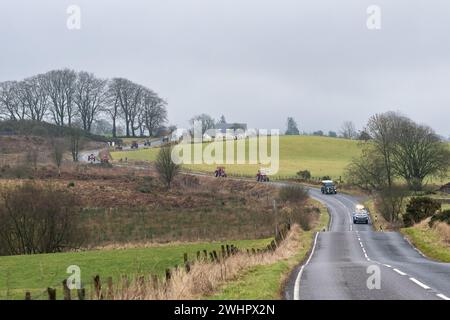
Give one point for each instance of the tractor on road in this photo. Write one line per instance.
(91, 158)
(220, 172)
(262, 176)
(328, 187)
(134, 145)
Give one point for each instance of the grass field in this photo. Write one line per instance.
(35, 273)
(265, 282)
(320, 155)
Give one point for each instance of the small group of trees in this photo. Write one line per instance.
(80, 99)
(399, 153)
(399, 148)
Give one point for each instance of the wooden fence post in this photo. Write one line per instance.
(81, 294)
(168, 275)
(187, 265)
(98, 287)
(110, 295)
(66, 290)
(51, 294)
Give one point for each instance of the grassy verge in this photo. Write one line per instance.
(378, 221)
(35, 273)
(265, 282)
(428, 241)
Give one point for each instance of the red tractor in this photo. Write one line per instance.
(104, 158)
(262, 176)
(220, 172)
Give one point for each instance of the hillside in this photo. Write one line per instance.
(43, 129)
(320, 155)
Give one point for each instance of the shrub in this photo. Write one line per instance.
(293, 193)
(71, 184)
(326, 178)
(390, 202)
(190, 181)
(420, 208)
(443, 216)
(166, 168)
(144, 189)
(37, 219)
(305, 174)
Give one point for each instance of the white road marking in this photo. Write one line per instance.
(299, 276)
(420, 283)
(400, 272)
(440, 295)
(386, 265)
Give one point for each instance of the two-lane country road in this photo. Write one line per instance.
(344, 257)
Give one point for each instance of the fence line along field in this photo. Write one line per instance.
(35, 273)
(322, 156)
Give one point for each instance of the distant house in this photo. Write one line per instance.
(223, 127)
(227, 130)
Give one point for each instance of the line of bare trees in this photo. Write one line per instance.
(69, 98)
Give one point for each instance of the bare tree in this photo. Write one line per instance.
(37, 219)
(10, 105)
(154, 111)
(75, 143)
(60, 87)
(206, 120)
(367, 171)
(348, 130)
(166, 168)
(32, 157)
(112, 104)
(419, 153)
(33, 96)
(381, 128)
(128, 95)
(89, 98)
(58, 147)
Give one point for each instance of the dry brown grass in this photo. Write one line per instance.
(205, 277)
(443, 229)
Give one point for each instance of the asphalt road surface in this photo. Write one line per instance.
(346, 256)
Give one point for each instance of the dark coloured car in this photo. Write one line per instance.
(328, 187)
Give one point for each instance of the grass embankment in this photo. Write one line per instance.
(434, 242)
(35, 273)
(320, 155)
(265, 282)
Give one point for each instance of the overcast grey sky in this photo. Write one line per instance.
(255, 61)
